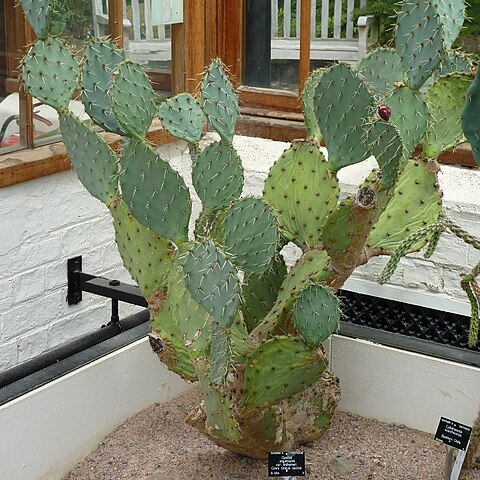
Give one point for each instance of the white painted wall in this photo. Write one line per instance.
(45, 221)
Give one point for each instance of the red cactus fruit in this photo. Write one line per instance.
(384, 111)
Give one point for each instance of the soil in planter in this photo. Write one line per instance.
(156, 444)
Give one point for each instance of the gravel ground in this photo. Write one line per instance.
(156, 444)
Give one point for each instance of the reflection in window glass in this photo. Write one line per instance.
(272, 44)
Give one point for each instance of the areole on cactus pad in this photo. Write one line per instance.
(225, 310)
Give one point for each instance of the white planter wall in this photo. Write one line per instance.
(45, 221)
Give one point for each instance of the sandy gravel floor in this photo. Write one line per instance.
(156, 444)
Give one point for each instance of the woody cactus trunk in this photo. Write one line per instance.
(225, 310)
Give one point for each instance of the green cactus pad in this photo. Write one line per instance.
(39, 14)
(213, 282)
(182, 117)
(219, 101)
(220, 353)
(312, 267)
(251, 234)
(94, 161)
(470, 117)
(100, 60)
(155, 193)
(217, 175)
(50, 72)
(146, 255)
(302, 192)
(259, 292)
(386, 145)
(410, 115)
(445, 100)
(455, 62)
(342, 106)
(381, 68)
(419, 40)
(416, 203)
(280, 368)
(133, 99)
(308, 107)
(221, 420)
(452, 16)
(316, 314)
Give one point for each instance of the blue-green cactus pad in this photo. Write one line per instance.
(155, 193)
(452, 16)
(133, 99)
(302, 192)
(419, 40)
(410, 115)
(381, 68)
(220, 354)
(308, 106)
(342, 106)
(94, 161)
(416, 203)
(182, 117)
(251, 234)
(316, 314)
(445, 100)
(279, 368)
(213, 282)
(386, 145)
(259, 292)
(50, 72)
(219, 101)
(217, 175)
(100, 60)
(39, 14)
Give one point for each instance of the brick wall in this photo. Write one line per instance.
(48, 220)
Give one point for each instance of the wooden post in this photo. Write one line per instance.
(304, 64)
(25, 107)
(178, 58)
(258, 43)
(115, 21)
(194, 21)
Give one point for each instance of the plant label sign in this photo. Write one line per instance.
(453, 434)
(286, 464)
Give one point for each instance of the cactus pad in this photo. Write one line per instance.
(419, 40)
(251, 234)
(381, 68)
(219, 101)
(220, 353)
(50, 72)
(280, 368)
(154, 192)
(342, 106)
(470, 117)
(133, 100)
(182, 117)
(220, 420)
(100, 60)
(259, 292)
(316, 314)
(386, 145)
(416, 203)
(146, 255)
(213, 282)
(95, 163)
(217, 175)
(308, 107)
(302, 192)
(39, 14)
(410, 115)
(445, 100)
(452, 16)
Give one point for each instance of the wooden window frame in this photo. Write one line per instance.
(188, 59)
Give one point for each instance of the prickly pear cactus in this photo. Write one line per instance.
(225, 310)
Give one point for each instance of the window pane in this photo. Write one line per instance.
(272, 44)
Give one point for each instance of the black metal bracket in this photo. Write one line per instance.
(79, 282)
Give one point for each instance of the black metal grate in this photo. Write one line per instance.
(410, 320)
